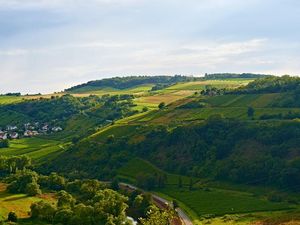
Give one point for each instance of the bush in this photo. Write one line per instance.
(33, 189)
(4, 144)
(275, 197)
(43, 211)
(162, 105)
(12, 217)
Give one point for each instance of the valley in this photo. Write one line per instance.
(225, 150)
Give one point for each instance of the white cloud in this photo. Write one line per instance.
(46, 45)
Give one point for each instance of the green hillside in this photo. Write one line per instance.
(227, 131)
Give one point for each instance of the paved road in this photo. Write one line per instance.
(184, 217)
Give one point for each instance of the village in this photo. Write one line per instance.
(27, 130)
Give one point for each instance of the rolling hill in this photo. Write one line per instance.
(204, 136)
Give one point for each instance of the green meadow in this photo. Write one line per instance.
(38, 149)
(9, 99)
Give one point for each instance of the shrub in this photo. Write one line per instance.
(12, 217)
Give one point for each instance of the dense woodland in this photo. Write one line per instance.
(60, 109)
(249, 153)
(128, 82)
(220, 76)
(77, 202)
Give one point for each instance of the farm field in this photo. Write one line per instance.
(225, 205)
(254, 100)
(112, 91)
(36, 148)
(9, 99)
(220, 201)
(200, 85)
(226, 112)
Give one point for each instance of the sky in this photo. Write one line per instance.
(50, 45)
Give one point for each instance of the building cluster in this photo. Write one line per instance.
(27, 130)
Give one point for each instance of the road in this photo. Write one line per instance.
(161, 202)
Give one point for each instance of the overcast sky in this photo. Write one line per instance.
(48, 45)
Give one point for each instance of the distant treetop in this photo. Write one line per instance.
(132, 81)
(220, 76)
(271, 85)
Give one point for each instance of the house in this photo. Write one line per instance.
(26, 125)
(14, 135)
(3, 136)
(45, 127)
(57, 129)
(35, 133)
(27, 133)
(11, 128)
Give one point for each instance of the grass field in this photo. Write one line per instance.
(37, 148)
(112, 91)
(18, 203)
(254, 100)
(200, 85)
(9, 99)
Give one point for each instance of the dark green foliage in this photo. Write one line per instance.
(179, 182)
(43, 211)
(105, 207)
(115, 184)
(59, 111)
(271, 85)
(138, 204)
(65, 200)
(4, 143)
(250, 153)
(150, 181)
(9, 165)
(221, 76)
(160, 87)
(128, 82)
(12, 217)
(175, 204)
(212, 91)
(250, 112)
(12, 94)
(162, 105)
(53, 182)
(46, 110)
(145, 109)
(25, 182)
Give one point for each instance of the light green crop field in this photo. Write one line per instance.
(37, 148)
(200, 85)
(112, 91)
(9, 99)
(254, 100)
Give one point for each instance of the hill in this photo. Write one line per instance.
(122, 83)
(228, 141)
